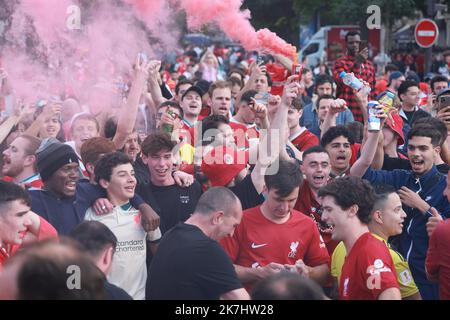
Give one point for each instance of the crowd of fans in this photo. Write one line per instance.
(223, 175)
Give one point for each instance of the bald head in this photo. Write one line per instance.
(218, 199)
(218, 213)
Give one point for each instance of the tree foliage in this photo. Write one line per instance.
(277, 15)
(285, 16)
(354, 12)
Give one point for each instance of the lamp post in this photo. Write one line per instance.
(429, 51)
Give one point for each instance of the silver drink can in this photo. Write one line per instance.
(373, 121)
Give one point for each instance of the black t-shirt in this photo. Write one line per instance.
(390, 164)
(246, 192)
(173, 203)
(141, 171)
(190, 266)
(409, 115)
(443, 168)
(113, 292)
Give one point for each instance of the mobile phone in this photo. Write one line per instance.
(297, 70)
(262, 98)
(260, 60)
(444, 101)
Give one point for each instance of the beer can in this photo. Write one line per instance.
(373, 121)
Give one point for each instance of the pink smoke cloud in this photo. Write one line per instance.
(235, 23)
(269, 40)
(49, 17)
(228, 16)
(88, 63)
(45, 58)
(156, 15)
(147, 11)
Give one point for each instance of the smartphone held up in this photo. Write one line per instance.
(297, 70)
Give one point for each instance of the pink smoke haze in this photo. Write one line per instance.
(89, 63)
(147, 11)
(48, 28)
(157, 17)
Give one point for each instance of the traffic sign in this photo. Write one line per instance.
(426, 33)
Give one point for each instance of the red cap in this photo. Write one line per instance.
(424, 87)
(380, 86)
(395, 123)
(223, 164)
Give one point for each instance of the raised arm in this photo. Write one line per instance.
(378, 159)
(284, 61)
(48, 111)
(128, 113)
(6, 127)
(337, 106)
(368, 149)
(271, 143)
(362, 99)
(153, 84)
(256, 70)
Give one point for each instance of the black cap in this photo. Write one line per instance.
(443, 91)
(203, 85)
(412, 76)
(395, 75)
(195, 89)
(53, 155)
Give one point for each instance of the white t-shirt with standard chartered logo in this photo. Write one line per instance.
(128, 270)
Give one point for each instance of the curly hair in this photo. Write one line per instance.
(349, 191)
(106, 164)
(335, 132)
